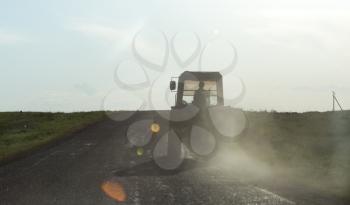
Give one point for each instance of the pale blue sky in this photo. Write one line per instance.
(62, 55)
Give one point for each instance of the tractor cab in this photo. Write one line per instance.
(192, 84)
(199, 116)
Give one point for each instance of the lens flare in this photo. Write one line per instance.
(139, 151)
(114, 190)
(155, 128)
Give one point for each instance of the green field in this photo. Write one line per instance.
(22, 132)
(313, 147)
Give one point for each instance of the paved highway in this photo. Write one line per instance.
(98, 166)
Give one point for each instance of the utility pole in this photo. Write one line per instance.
(335, 100)
(333, 96)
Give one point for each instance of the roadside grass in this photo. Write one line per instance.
(22, 132)
(313, 147)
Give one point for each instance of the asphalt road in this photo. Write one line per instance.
(98, 166)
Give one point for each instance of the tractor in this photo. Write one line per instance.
(195, 126)
(199, 118)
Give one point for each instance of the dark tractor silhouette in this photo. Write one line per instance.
(199, 118)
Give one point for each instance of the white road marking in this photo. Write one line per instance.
(40, 160)
(45, 158)
(273, 195)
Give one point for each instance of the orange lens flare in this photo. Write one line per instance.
(114, 190)
(155, 128)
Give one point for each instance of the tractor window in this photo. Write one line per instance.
(187, 98)
(190, 87)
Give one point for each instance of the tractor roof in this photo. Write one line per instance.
(200, 76)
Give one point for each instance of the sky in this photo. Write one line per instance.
(90, 55)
